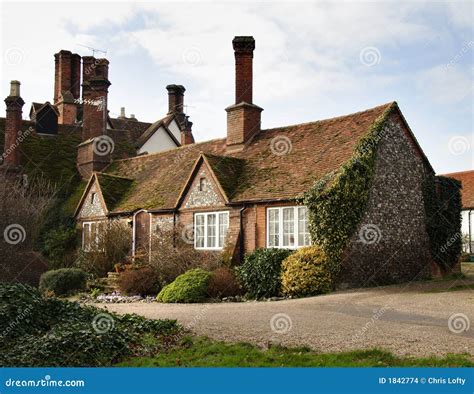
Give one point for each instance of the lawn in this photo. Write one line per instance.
(203, 352)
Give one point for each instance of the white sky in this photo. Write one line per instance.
(313, 60)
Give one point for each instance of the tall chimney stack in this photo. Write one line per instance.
(176, 102)
(95, 85)
(67, 85)
(243, 118)
(95, 152)
(14, 102)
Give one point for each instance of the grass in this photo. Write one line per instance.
(203, 352)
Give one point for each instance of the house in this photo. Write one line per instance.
(244, 191)
(56, 140)
(467, 180)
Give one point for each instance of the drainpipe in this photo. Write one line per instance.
(174, 229)
(470, 232)
(241, 244)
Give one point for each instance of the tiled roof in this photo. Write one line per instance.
(467, 180)
(279, 164)
(113, 188)
(135, 127)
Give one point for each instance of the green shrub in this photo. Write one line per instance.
(306, 272)
(63, 281)
(143, 281)
(442, 198)
(261, 272)
(46, 332)
(188, 287)
(60, 247)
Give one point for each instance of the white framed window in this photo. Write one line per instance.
(210, 230)
(287, 227)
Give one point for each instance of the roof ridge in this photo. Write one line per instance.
(114, 176)
(457, 172)
(182, 147)
(387, 105)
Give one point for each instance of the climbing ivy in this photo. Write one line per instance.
(442, 198)
(337, 202)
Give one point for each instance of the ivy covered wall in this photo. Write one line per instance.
(370, 215)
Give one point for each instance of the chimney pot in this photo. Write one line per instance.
(132, 116)
(122, 112)
(15, 88)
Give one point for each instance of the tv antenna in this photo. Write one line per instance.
(186, 108)
(94, 50)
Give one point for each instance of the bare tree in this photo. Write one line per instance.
(23, 207)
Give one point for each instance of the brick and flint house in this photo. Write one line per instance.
(245, 190)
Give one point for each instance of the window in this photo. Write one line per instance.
(202, 184)
(210, 230)
(287, 227)
(90, 236)
(93, 197)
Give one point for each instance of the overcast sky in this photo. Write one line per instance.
(313, 60)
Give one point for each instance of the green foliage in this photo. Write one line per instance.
(63, 281)
(203, 352)
(261, 272)
(442, 197)
(44, 332)
(60, 247)
(188, 287)
(306, 273)
(337, 202)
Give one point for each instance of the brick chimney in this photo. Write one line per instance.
(186, 132)
(95, 88)
(67, 85)
(176, 102)
(14, 102)
(243, 118)
(95, 152)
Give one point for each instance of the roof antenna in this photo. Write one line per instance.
(94, 50)
(186, 107)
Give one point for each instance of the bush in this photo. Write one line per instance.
(223, 283)
(188, 287)
(306, 272)
(142, 281)
(261, 272)
(114, 246)
(465, 257)
(47, 332)
(63, 281)
(173, 256)
(60, 247)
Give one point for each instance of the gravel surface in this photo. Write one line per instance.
(410, 319)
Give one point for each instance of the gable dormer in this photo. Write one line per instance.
(45, 117)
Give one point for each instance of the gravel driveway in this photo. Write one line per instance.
(408, 320)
